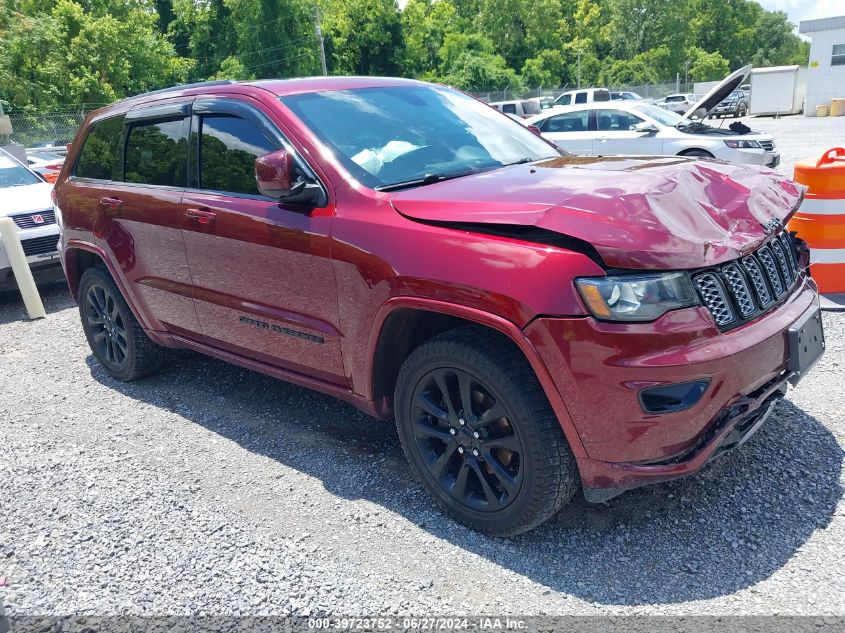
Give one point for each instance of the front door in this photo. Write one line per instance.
(263, 279)
(615, 136)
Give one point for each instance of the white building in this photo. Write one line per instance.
(826, 74)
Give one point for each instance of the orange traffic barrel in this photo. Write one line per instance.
(821, 219)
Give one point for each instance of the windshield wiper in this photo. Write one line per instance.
(428, 179)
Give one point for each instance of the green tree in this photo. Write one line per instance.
(468, 62)
(70, 56)
(424, 25)
(706, 66)
(363, 37)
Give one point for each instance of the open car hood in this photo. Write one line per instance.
(637, 212)
(718, 93)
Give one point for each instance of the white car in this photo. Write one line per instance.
(25, 197)
(679, 103)
(634, 127)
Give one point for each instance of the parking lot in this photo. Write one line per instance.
(209, 489)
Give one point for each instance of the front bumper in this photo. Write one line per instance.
(600, 369)
(44, 260)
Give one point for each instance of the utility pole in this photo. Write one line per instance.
(579, 69)
(686, 75)
(320, 40)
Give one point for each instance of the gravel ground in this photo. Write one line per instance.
(211, 489)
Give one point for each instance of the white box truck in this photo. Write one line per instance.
(778, 90)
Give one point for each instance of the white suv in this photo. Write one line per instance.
(587, 95)
(25, 197)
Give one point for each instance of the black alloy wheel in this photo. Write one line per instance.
(116, 338)
(463, 432)
(108, 330)
(479, 432)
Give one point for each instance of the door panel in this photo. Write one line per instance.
(263, 278)
(146, 238)
(614, 136)
(140, 221)
(264, 282)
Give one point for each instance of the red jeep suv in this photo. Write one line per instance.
(535, 322)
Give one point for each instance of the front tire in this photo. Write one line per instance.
(116, 338)
(480, 435)
(700, 153)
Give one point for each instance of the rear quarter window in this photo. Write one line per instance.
(100, 156)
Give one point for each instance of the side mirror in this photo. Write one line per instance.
(535, 130)
(645, 128)
(275, 175)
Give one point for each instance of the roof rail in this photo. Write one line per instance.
(199, 84)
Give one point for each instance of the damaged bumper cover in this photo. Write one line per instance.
(732, 428)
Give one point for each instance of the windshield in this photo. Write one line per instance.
(391, 135)
(13, 175)
(666, 117)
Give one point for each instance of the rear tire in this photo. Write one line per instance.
(116, 338)
(504, 466)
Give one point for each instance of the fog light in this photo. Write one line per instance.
(672, 398)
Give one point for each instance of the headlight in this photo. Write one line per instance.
(636, 297)
(743, 144)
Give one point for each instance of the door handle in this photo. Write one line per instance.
(111, 203)
(200, 215)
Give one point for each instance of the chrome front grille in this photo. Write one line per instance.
(783, 266)
(743, 289)
(791, 257)
(739, 289)
(33, 220)
(713, 294)
(752, 267)
(771, 269)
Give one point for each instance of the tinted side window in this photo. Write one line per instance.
(156, 153)
(581, 97)
(509, 108)
(601, 95)
(616, 120)
(569, 122)
(100, 156)
(565, 100)
(228, 148)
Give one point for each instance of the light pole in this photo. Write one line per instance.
(579, 68)
(320, 40)
(686, 75)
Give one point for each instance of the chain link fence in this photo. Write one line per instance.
(57, 128)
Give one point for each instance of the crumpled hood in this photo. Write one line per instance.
(25, 198)
(645, 213)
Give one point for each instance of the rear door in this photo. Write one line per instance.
(129, 178)
(570, 130)
(615, 136)
(264, 281)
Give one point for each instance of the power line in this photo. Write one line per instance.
(258, 51)
(276, 61)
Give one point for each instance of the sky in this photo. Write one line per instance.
(798, 10)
